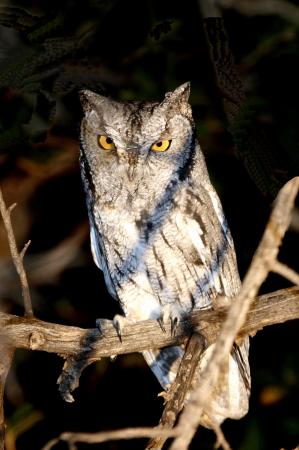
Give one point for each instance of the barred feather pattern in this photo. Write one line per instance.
(158, 231)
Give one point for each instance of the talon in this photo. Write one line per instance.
(99, 326)
(117, 329)
(119, 323)
(173, 326)
(161, 324)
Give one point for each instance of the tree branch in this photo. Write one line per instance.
(34, 334)
(16, 256)
(6, 348)
(104, 436)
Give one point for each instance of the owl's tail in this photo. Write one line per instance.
(231, 393)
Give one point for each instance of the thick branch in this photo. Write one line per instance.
(34, 334)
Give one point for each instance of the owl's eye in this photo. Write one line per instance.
(106, 142)
(161, 146)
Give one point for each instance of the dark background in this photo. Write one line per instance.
(132, 50)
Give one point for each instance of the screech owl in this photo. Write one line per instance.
(158, 231)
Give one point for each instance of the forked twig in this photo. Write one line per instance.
(16, 256)
(285, 271)
(115, 435)
(6, 348)
(221, 440)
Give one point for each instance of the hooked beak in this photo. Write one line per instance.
(131, 172)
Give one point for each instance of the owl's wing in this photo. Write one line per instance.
(95, 244)
(94, 233)
(95, 248)
(208, 234)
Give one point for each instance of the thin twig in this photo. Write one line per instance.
(51, 444)
(16, 256)
(24, 250)
(257, 273)
(285, 272)
(104, 436)
(221, 440)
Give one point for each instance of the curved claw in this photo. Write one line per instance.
(161, 324)
(117, 327)
(173, 325)
(119, 323)
(172, 313)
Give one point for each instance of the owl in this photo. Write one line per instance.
(157, 227)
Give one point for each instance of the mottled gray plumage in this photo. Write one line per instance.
(157, 227)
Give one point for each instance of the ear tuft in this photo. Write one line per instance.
(90, 100)
(180, 94)
(178, 100)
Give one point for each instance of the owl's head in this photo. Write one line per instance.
(136, 144)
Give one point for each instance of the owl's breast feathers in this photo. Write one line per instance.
(181, 255)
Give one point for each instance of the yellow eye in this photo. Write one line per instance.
(161, 146)
(106, 142)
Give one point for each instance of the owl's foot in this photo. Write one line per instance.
(101, 325)
(119, 323)
(172, 313)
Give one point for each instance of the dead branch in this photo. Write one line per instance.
(6, 348)
(262, 263)
(127, 433)
(35, 334)
(221, 440)
(104, 436)
(285, 272)
(16, 256)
